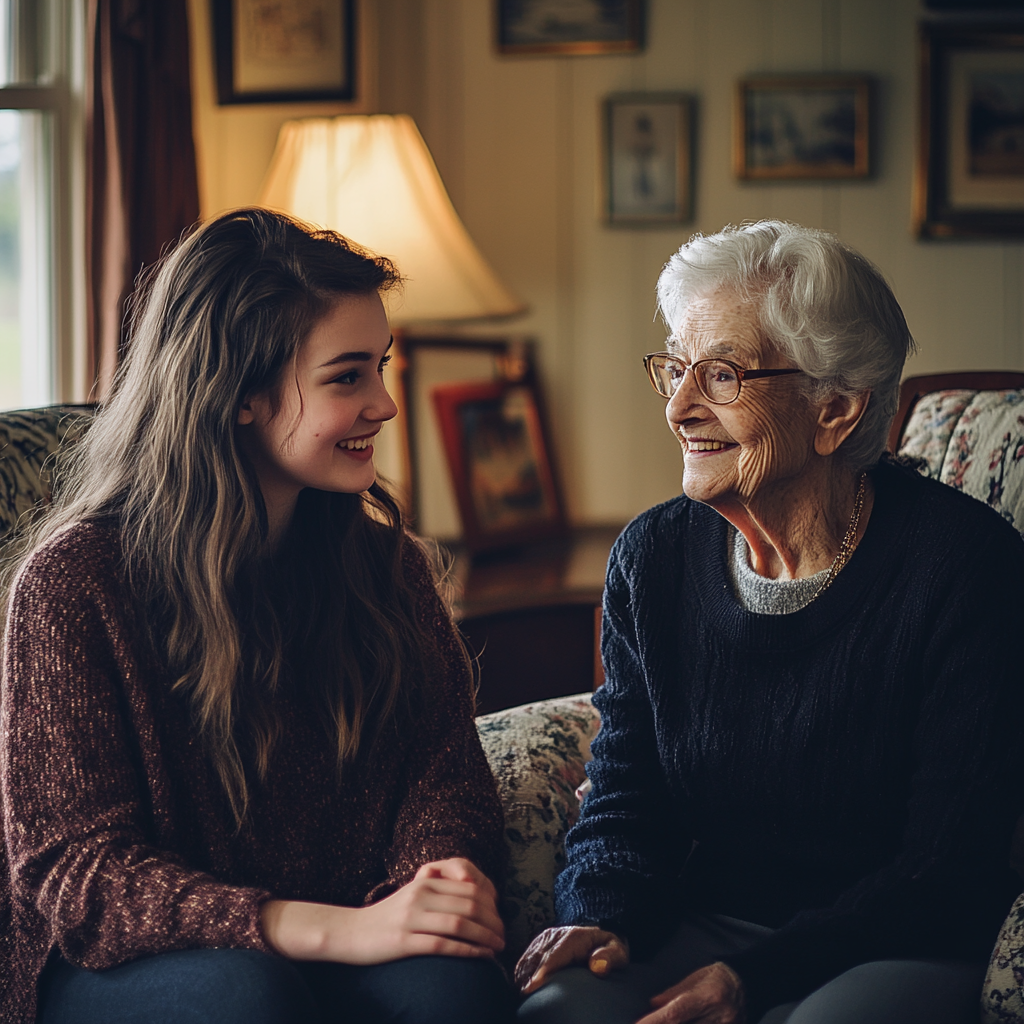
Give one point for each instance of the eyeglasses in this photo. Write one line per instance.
(719, 380)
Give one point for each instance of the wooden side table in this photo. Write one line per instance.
(531, 616)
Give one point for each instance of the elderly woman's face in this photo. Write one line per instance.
(730, 452)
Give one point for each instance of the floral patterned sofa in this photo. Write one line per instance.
(970, 439)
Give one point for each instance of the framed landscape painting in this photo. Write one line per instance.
(802, 127)
(969, 181)
(568, 26)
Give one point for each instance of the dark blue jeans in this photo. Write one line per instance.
(882, 992)
(242, 986)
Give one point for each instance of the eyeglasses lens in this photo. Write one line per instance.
(717, 380)
(666, 374)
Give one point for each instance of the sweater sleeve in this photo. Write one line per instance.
(75, 810)
(449, 806)
(626, 849)
(946, 891)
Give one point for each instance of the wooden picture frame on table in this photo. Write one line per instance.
(290, 51)
(802, 127)
(647, 165)
(969, 180)
(498, 454)
(426, 362)
(568, 27)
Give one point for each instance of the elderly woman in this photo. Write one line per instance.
(806, 779)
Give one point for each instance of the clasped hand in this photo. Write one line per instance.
(711, 995)
(448, 909)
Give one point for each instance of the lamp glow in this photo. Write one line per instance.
(373, 179)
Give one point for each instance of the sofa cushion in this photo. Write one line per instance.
(537, 753)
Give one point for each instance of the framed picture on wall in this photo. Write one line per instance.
(568, 26)
(287, 51)
(499, 458)
(969, 181)
(802, 127)
(647, 167)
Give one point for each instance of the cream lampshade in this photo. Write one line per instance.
(373, 179)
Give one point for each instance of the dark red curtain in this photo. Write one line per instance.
(141, 187)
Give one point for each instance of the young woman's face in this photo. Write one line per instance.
(332, 403)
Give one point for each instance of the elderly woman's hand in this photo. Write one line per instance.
(556, 948)
(712, 995)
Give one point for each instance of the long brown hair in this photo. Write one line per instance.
(329, 611)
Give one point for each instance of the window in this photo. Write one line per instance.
(41, 202)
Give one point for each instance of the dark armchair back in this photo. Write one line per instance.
(29, 439)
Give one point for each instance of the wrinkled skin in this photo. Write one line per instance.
(711, 995)
(775, 478)
(556, 948)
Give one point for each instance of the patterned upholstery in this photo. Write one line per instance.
(1001, 1001)
(973, 441)
(29, 439)
(537, 753)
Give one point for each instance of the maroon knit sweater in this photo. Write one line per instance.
(118, 839)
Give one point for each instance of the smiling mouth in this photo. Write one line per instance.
(701, 445)
(356, 444)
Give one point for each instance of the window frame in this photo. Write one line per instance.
(60, 94)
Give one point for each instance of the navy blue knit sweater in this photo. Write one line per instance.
(847, 774)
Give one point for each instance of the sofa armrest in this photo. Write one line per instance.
(537, 753)
(1002, 1001)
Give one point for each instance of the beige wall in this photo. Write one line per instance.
(516, 140)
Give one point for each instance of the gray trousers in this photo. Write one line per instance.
(883, 992)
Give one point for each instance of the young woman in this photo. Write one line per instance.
(240, 775)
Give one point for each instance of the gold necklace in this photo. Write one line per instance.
(849, 542)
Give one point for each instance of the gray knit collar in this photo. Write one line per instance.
(758, 593)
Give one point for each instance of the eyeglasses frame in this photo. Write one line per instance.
(742, 374)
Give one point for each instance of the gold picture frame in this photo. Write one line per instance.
(647, 159)
(568, 27)
(802, 127)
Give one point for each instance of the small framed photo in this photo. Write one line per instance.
(969, 181)
(499, 458)
(286, 51)
(568, 26)
(802, 127)
(648, 159)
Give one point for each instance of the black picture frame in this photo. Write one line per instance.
(535, 27)
(236, 50)
(959, 191)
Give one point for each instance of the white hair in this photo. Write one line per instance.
(819, 302)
